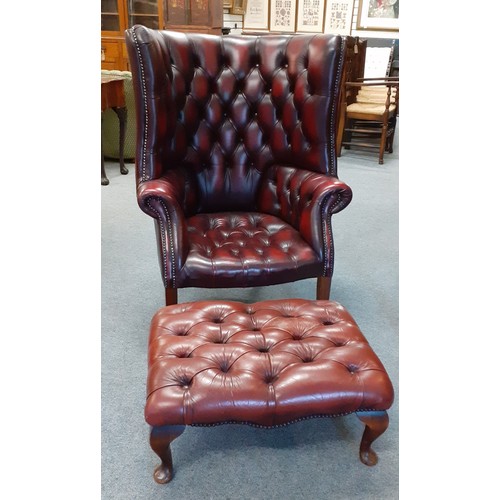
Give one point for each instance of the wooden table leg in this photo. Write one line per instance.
(104, 179)
(122, 118)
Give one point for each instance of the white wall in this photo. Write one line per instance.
(230, 20)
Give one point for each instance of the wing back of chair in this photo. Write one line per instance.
(226, 109)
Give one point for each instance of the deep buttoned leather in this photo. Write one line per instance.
(251, 248)
(237, 124)
(266, 364)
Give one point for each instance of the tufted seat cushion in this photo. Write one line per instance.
(265, 364)
(245, 249)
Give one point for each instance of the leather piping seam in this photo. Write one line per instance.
(146, 110)
(164, 242)
(285, 424)
(324, 222)
(333, 112)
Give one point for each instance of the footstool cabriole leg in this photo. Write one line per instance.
(376, 423)
(160, 440)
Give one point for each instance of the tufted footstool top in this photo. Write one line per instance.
(264, 364)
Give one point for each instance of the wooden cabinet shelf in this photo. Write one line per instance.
(202, 16)
(116, 17)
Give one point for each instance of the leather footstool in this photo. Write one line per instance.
(266, 364)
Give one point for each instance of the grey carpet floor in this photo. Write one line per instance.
(315, 459)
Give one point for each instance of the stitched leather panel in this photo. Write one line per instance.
(245, 249)
(266, 363)
(306, 200)
(229, 107)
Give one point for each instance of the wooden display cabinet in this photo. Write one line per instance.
(198, 16)
(116, 17)
(202, 16)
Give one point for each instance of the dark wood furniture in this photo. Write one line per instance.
(370, 121)
(113, 96)
(194, 16)
(202, 16)
(238, 7)
(266, 364)
(369, 105)
(353, 69)
(116, 17)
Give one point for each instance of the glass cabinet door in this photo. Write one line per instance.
(143, 12)
(110, 18)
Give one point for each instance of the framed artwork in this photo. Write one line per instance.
(310, 15)
(256, 15)
(338, 17)
(238, 7)
(282, 16)
(378, 15)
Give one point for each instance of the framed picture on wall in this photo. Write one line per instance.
(282, 16)
(378, 15)
(256, 15)
(310, 15)
(238, 7)
(338, 16)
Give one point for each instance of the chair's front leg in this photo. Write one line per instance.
(323, 288)
(160, 440)
(170, 296)
(381, 149)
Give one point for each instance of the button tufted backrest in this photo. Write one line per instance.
(228, 108)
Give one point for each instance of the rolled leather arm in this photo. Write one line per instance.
(164, 200)
(327, 196)
(307, 200)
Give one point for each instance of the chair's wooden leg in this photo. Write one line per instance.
(349, 123)
(160, 440)
(323, 288)
(391, 138)
(170, 296)
(376, 423)
(340, 132)
(383, 138)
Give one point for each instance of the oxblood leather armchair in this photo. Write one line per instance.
(236, 156)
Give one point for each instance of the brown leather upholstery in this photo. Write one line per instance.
(241, 247)
(239, 128)
(265, 364)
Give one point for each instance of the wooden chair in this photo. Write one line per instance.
(369, 107)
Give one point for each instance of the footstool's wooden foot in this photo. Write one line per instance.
(160, 440)
(376, 423)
